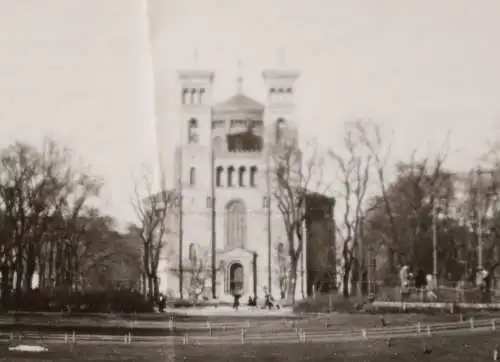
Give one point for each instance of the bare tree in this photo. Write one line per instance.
(292, 180)
(153, 211)
(282, 268)
(353, 170)
(380, 150)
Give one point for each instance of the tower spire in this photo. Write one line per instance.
(239, 79)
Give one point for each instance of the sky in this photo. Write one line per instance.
(100, 75)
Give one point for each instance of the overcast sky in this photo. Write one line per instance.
(83, 71)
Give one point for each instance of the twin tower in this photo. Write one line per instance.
(228, 212)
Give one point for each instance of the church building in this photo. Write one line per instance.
(229, 231)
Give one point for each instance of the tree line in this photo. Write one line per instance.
(54, 244)
(53, 241)
(416, 211)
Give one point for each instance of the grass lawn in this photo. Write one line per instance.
(443, 349)
(92, 353)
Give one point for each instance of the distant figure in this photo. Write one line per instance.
(486, 275)
(431, 287)
(236, 303)
(404, 275)
(460, 288)
(268, 301)
(252, 302)
(162, 303)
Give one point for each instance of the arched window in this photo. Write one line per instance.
(236, 227)
(200, 96)
(192, 176)
(192, 253)
(241, 175)
(185, 93)
(280, 128)
(218, 176)
(230, 174)
(253, 173)
(193, 96)
(193, 131)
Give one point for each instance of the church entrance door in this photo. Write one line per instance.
(236, 281)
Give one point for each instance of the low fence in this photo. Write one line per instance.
(246, 336)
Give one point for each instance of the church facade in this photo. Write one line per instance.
(228, 235)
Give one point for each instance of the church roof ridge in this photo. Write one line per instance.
(239, 102)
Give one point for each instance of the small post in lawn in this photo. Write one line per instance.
(243, 336)
(471, 322)
(65, 338)
(74, 337)
(185, 340)
(171, 324)
(493, 325)
(429, 332)
(302, 336)
(419, 328)
(364, 334)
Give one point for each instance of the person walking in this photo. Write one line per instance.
(236, 303)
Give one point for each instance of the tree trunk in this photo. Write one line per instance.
(41, 268)
(156, 285)
(30, 267)
(6, 286)
(19, 274)
(143, 284)
(150, 286)
(292, 280)
(345, 280)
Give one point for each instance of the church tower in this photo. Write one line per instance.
(280, 116)
(281, 126)
(194, 164)
(195, 114)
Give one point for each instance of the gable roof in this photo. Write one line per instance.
(239, 102)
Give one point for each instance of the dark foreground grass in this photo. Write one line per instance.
(477, 347)
(93, 353)
(443, 349)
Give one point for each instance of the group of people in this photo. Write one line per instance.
(425, 284)
(422, 282)
(269, 302)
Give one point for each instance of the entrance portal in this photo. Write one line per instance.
(236, 283)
